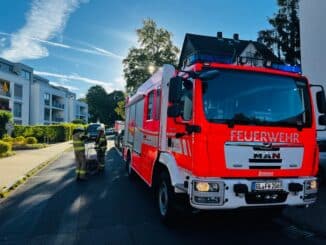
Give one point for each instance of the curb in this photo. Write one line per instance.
(5, 191)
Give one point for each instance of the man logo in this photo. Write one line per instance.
(266, 157)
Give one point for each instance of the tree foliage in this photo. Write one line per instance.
(284, 36)
(155, 49)
(101, 105)
(120, 109)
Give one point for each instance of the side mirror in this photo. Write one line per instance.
(322, 120)
(175, 89)
(174, 110)
(209, 75)
(321, 102)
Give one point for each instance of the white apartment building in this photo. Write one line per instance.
(15, 80)
(81, 110)
(33, 100)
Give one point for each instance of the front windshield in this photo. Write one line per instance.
(93, 128)
(256, 98)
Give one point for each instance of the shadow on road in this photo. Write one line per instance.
(53, 208)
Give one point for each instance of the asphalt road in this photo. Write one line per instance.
(52, 208)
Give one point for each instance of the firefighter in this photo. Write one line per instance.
(79, 149)
(100, 146)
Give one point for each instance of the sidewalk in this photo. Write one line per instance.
(14, 168)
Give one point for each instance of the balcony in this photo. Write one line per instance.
(5, 88)
(4, 105)
(58, 105)
(3, 93)
(57, 119)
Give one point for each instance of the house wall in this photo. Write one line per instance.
(313, 40)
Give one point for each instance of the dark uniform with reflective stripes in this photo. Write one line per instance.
(100, 146)
(79, 148)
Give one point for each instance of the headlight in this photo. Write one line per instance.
(206, 186)
(311, 185)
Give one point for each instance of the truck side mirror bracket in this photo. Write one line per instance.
(320, 99)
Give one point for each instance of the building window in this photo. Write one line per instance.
(150, 106)
(47, 99)
(17, 109)
(25, 74)
(18, 122)
(18, 91)
(46, 114)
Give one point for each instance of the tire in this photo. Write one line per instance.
(129, 170)
(166, 199)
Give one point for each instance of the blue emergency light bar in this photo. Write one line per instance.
(229, 59)
(287, 68)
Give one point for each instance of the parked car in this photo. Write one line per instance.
(109, 132)
(92, 132)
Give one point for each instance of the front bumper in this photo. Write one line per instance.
(230, 197)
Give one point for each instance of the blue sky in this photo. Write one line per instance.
(80, 43)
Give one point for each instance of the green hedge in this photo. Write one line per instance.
(47, 133)
(5, 147)
(31, 140)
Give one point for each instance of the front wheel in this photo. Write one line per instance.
(166, 199)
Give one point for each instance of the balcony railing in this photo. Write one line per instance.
(3, 93)
(58, 105)
(5, 108)
(57, 119)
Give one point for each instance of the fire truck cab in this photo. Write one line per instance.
(222, 134)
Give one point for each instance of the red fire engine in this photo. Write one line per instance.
(224, 131)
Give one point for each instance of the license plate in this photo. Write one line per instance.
(267, 186)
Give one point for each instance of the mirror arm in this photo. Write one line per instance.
(317, 86)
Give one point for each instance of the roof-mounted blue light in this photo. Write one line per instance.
(287, 68)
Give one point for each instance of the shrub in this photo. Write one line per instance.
(8, 139)
(20, 140)
(47, 133)
(31, 140)
(5, 147)
(5, 117)
(78, 121)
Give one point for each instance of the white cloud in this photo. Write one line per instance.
(92, 50)
(2, 42)
(109, 87)
(60, 84)
(45, 20)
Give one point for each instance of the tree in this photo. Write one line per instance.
(284, 37)
(101, 105)
(155, 49)
(120, 109)
(97, 104)
(113, 100)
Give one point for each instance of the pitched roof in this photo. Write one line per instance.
(206, 45)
